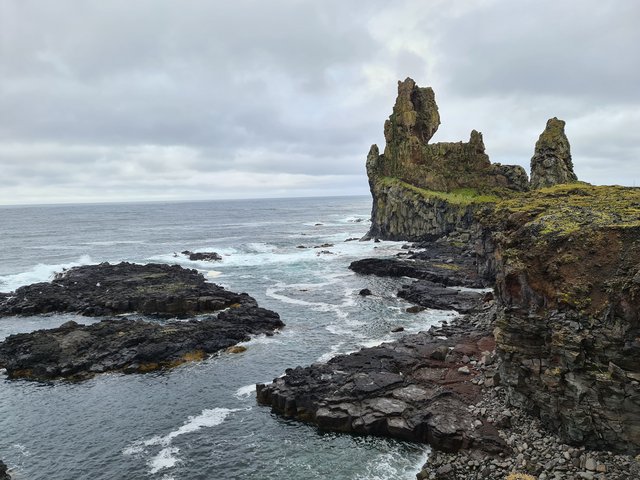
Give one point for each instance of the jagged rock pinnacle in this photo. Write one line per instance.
(551, 162)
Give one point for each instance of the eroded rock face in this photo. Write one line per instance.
(404, 178)
(567, 261)
(551, 162)
(105, 289)
(81, 351)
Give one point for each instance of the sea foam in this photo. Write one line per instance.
(39, 273)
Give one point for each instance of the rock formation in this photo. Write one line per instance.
(417, 389)
(105, 289)
(568, 331)
(80, 351)
(551, 162)
(4, 475)
(443, 180)
(77, 352)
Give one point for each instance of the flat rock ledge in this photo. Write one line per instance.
(74, 351)
(106, 289)
(417, 388)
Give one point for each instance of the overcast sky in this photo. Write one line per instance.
(196, 99)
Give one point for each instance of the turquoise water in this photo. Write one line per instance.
(201, 421)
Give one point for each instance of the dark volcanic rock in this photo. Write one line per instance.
(432, 295)
(365, 292)
(551, 162)
(437, 262)
(105, 289)
(403, 389)
(4, 475)
(204, 256)
(78, 351)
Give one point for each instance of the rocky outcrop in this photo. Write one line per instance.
(77, 352)
(202, 256)
(105, 289)
(437, 262)
(4, 474)
(432, 295)
(411, 179)
(417, 389)
(551, 162)
(567, 260)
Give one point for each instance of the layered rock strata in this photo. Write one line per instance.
(421, 189)
(417, 389)
(105, 289)
(567, 261)
(551, 162)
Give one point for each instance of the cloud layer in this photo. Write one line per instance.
(165, 99)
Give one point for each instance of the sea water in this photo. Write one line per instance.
(201, 420)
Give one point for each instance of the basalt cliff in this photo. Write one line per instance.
(565, 256)
(557, 344)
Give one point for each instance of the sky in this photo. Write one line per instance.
(142, 100)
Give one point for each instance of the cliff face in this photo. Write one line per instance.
(551, 162)
(421, 169)
(567, 261)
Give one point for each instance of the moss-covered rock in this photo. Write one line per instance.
(567, 261)
(421, 167)
(551, 163)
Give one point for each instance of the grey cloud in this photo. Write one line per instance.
(154, 98)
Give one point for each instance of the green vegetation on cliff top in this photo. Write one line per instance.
(565, 209)
(460, 196)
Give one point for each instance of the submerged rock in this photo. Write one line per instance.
(77, 351)
(106, 289)
(551, 162)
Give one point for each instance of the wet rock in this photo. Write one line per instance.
(4, 474)
(397, 389)
(131, 346)
(106, 289)
(551, 162)
(428, 261)
(202, 256)
(431, 295)
(365, 292)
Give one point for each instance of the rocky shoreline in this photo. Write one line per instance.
(441, 387)
(75, 351)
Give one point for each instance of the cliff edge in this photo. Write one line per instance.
(421, 189)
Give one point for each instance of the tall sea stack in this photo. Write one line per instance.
(551, 162)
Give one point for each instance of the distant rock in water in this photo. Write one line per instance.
(80, 351)
(106, 289)
(4, 475)
(551, 162)
(202, 256)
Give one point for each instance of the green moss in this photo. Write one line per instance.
(563, 210)
(461, 196)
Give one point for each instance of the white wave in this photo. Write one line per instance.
(394, 465)
(246, 391)
(39, 273)
(334, 351)
(167, 455)
(166, 458)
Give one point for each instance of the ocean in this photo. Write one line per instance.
(201, 420)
